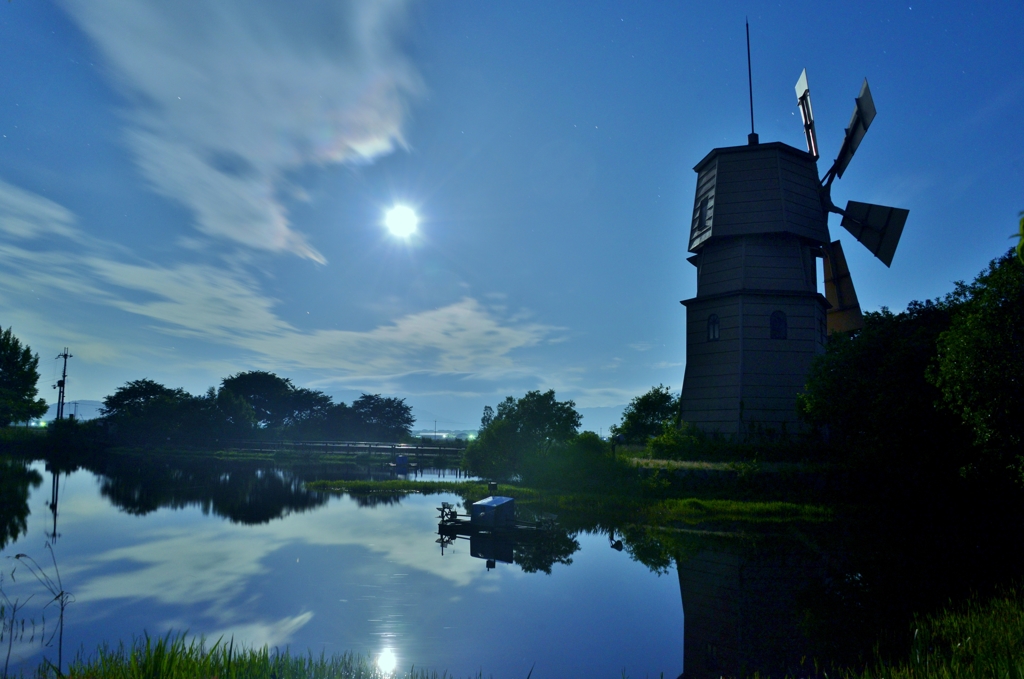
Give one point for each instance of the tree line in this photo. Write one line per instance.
(253, 404)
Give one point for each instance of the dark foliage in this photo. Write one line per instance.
(529, 428)
(15, 480)
(645, 415)
(870, 392)
(980, 364)
(248, 405)
(144, 412)
(379, 418)
(19, 373)
(275, 401)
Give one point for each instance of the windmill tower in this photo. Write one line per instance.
(760, 222)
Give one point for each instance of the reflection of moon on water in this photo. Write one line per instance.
(387, 661)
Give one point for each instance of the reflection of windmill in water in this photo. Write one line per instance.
(760, 222)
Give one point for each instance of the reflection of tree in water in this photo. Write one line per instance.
(15, 480)
(371, 500)
(541, 550)
(248, 493)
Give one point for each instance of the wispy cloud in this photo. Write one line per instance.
(226, 98)
(25, 215)
(227, 307)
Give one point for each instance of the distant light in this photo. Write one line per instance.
(401, 221)
(387, 661)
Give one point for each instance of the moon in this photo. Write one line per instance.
(401, 221)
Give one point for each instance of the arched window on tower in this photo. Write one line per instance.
(713, 327)
(778, 325)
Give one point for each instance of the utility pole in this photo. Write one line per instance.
(61, 382)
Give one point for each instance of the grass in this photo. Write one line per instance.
(978, 639)
(657, 511)
(174, 657)
(703, 465)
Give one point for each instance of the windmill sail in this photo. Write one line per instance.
(845, 314)
(863, 113)
(877, 227)
(803, 98)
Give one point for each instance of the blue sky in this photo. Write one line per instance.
(189, 190)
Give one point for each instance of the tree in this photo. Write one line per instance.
(278, 404)
(539, 420)
(136, 397)
(487, 417)
(382, 418)
(19, 373)
(146, 413)
(870, 386)
(522, 429)
(237, 416)
(645, 415)
(269, 395)
(980, 363)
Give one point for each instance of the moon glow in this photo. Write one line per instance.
(387, 661)
(401, 221)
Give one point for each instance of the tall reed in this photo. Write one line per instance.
(176, 657)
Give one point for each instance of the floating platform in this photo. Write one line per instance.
(491, 527)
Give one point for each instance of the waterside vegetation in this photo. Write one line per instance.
(178, 657)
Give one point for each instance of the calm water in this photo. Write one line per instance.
(244, 550)
(266, 562)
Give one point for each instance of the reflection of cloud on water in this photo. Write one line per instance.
(209, 562)
(404, 534)
(179, 566)
(277, 633)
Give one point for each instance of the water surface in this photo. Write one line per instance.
(249, 554)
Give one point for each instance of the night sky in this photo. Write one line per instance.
(192, 189)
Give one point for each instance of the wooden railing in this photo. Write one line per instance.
(380, 448)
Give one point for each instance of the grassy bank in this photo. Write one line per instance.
(655, 511)
(978, 639)
(173, 657)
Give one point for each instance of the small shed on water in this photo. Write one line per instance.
(494, 512)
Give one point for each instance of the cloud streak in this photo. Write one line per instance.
(227, 307)
(227, 98)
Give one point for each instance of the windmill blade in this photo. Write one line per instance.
(803, 98)
(877, 227)
(863, 113)
(845, 313)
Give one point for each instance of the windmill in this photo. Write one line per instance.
(760, 222)
(876, 227)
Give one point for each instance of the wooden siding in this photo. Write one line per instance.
(770, 188)
(745, 366)
(763, 262)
